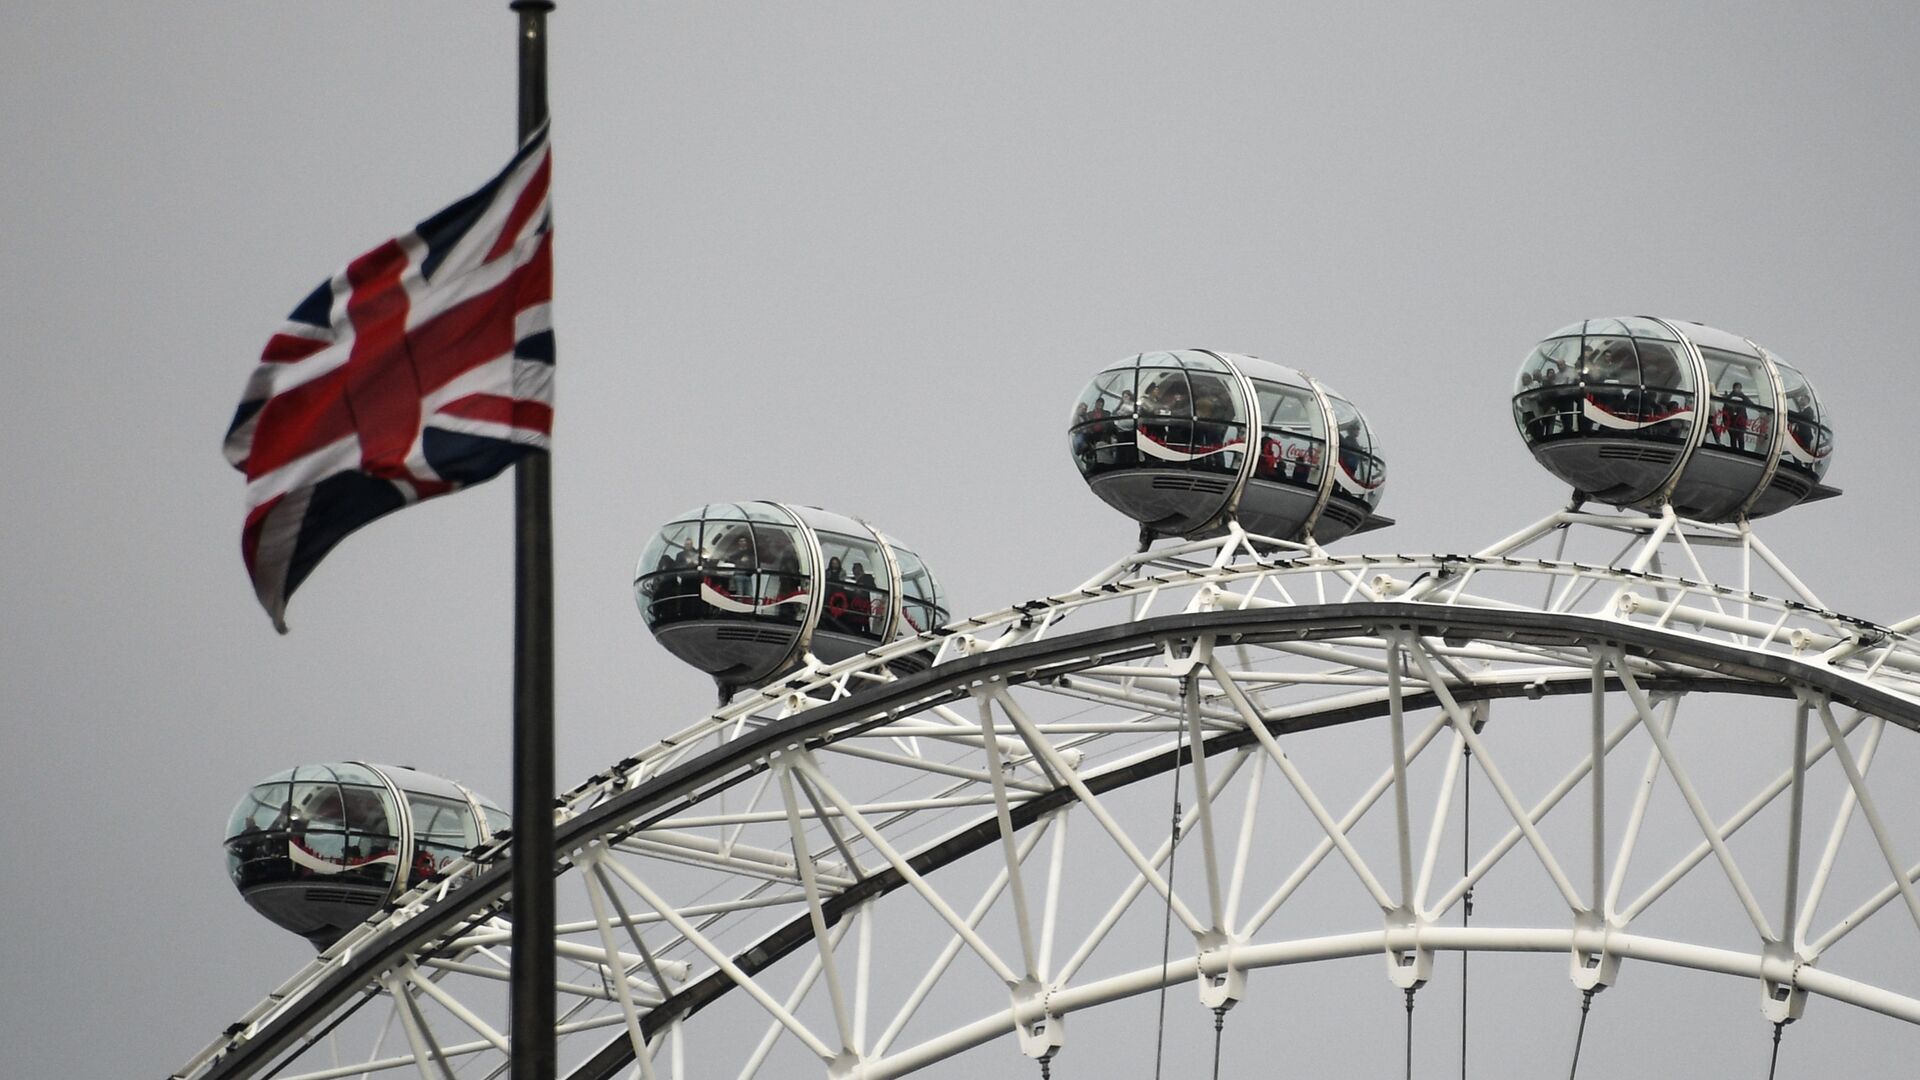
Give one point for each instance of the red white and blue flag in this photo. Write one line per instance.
(423, 366)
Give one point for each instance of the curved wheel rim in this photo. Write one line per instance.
(640, 793)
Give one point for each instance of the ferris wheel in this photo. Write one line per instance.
(1619, 739)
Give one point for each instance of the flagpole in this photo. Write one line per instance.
(532, 980)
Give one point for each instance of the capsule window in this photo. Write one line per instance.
(1199, 360)
(1101, 431)
(670, 582)
(1361, 471)
(727, 545)
(1164, 393)
(266, 807)
(1741, 419)
(1293, 436)
(340, 831)
(1637, 389)
(1609, 361)
(1547, 403)
(746, 570)
(498, 820)
(759, 511)
(1109, 392)
(257, 835)
(1664, 367)
(1664, 404)
(858, 595)
(1190, 420)
(1647, 329)
(443, 829)
(1162, 435)
(1809, 441)
(919, 595)
(1219, 423)
(1607, 384)
(782, 585)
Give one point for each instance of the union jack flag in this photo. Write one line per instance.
(423, 366)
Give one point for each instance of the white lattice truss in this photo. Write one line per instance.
(754, 865)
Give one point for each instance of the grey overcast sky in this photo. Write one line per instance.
(859, 255)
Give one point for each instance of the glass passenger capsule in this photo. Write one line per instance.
(746, 591)
(319, 848)
(1640, 411)
(1184, 441)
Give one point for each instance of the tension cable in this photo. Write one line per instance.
(1466, 901)
(1219, 1022)
(1586, 1002)
(1166, 925)
(1775, 1062)
(1409, 1033)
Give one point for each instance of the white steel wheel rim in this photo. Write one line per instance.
(1860, 666)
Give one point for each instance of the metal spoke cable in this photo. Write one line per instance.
(1466, 901)
(1774, 1063)
(1586, 1002)
(1219, 1023)
(1166, 925)
(1409, 1033)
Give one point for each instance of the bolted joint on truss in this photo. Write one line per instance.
(1222, 983)
(1409, 962)
(1409, 969)
(1782, 1001)
(1041, 1033)
(1594, 965)
(1186, 656)
(1811, 697)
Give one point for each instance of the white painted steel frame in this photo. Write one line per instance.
(1381, 635)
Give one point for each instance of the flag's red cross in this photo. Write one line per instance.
(390, 371)
(418, 326)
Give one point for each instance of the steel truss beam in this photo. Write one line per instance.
(1378, 649)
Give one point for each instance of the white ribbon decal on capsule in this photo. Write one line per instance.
(1153, 447)
(726, 601)
(1601, 416)
(302, 855)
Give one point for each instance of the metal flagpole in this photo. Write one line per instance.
(532, 980)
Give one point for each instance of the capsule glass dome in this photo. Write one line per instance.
(1639, 411)
(1184, 441)
(318, 848)
(745, 591)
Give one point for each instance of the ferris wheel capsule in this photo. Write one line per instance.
(747, 591)
(318, 848)
(1639, 412)
(1184, 442)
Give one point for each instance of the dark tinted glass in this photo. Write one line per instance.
(858, 595)
(1741, 419)
(1293, 435)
